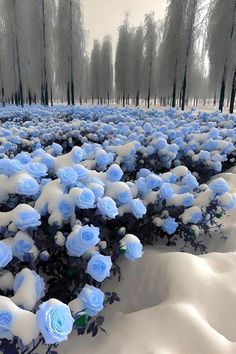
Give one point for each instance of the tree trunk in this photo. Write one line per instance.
(232, 97)
(29, 97)
(72, 91)
(137, 99)
(68, 93)
(174, 94)
(222, 93)
(184, 89)
(51, 98)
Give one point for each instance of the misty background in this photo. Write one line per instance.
(153, 53)
(105, 16)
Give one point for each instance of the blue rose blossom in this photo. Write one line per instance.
(6, 320)
(138, 208)
(67, 175)
(114, 173)
(81, 239)
(5, 254)
(166, 191)
(77, 154)
(81, 171)
(54, 321)
(98, 190)
(36, 169)
(27, 219)
(124, 197)
(27, 186)
(86, 199)
(170, 225)
(99, 267)
(134, 250)
(107, 207)
(93, 300)
(153, 181)
(219, 186)
(21, 247)
(66, 207)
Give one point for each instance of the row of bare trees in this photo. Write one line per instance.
(188, 57)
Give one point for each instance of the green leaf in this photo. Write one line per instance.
(122, 250)
(81, 321)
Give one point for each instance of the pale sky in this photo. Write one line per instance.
(103, 17)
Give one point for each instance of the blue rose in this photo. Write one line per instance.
(107, 207)
(47, 160)
(166, 191)
(36, 169)
(81, 172)
(27, 186)
(138, 208)
(86, 199)
(5, 254)
(134, 250)
(66, 207)
(93, 299)
(54, 321)
(99, 267)
(98, 190)
(219, 186)
(141, 184)
(6, 321)
(67, 175)
(124, 197)
(188, 200)
(81, 239)
(77, 154)
(196, 217)
(170, 225)
(143, 172)
(22, 247)
(27, 219)
(11, 166)
(24, 157)
(153, 181)
(114, 173)
(57, 149)
(103, 158)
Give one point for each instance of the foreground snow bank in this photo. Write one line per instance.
(173, 303)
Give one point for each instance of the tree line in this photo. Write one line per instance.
(188, 58)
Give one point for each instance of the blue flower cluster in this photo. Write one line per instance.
(69, 212)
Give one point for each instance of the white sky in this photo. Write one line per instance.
(103, 17)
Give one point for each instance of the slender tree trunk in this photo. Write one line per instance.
(233, 89)
(137, 99)
(29, 97)
(3, 97)
(51, 97)
(184, 89)
(174, 93)
(222, 91)
(68, 93)
(155, 100)
(214, 100)
(72, 91)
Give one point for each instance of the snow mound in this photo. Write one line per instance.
(172, 303)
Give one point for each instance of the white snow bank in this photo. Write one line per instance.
(173, 303)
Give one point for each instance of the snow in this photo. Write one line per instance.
(172, 302)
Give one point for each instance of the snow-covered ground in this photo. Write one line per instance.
(172, 302)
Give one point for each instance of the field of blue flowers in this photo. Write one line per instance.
(82, 187)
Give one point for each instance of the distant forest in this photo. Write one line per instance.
(189, 58)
